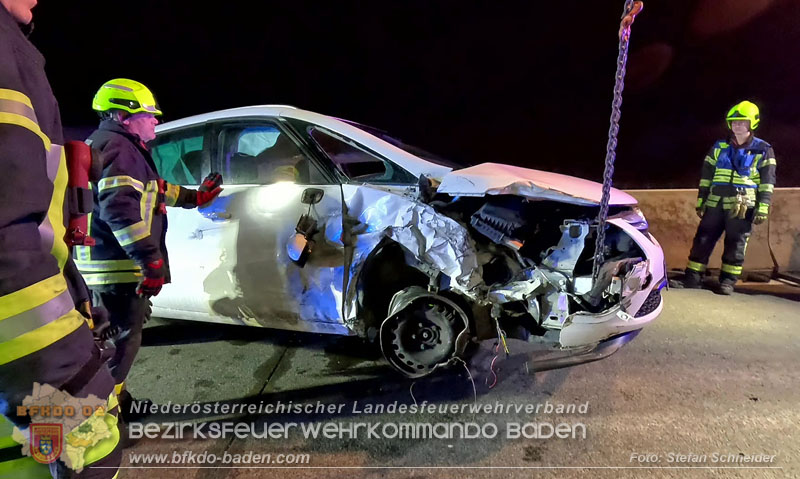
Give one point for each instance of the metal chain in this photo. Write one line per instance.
(631, 9)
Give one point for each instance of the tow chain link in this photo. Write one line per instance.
(632, 8)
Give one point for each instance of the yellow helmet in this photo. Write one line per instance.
(744, 111)
(126, 95)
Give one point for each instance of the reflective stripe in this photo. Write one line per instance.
(41, 337)
(695, 266)
(32, 296)
(27, 123)
(118, 87)
(113, 401)
(95, 279)
(17, 108)
(52, 229)
(722, 144)
(141, 229)
(712, 200)
(17, 103)
(148, 203)
(133, 233)
(119, 388)
(766, 187)
(711, 161)
(770, 162)
(172, 194)
(763, 208)
(699, 202)
(730, 269)
(704, 183)
(82, 253)
(16, 96)
(107, 265)
(31, 319)
(119, 181)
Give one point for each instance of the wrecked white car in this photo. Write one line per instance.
(329, 226)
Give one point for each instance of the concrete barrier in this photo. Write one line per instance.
(673, 222)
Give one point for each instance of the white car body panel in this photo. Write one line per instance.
(230, 263)
(497, 179)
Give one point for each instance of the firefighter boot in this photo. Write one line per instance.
(692, 279)
(726, 286)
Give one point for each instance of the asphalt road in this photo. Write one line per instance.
(713, 379)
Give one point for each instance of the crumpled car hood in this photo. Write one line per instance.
(497, 179)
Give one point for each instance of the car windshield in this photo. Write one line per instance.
(414, 150)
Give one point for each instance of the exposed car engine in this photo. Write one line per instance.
(535, 260)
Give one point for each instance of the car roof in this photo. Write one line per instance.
(414, 164)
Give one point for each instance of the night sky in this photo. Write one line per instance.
(526, 83)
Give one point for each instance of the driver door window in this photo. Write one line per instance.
(355, 162)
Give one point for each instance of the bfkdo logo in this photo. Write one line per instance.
(46, 442)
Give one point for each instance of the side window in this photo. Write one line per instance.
(263, 154)
(355, 162)
(179, 156)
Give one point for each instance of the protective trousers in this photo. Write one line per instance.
(69, 365)
(127, 313)
(737, 232)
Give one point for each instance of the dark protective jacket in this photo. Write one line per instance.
(749, 168)
(43, 338)
(36, 307)
(129, 221)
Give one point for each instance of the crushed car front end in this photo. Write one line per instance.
(501, 263)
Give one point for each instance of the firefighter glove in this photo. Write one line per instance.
(209, 189)
(759, 218)
(154, 274)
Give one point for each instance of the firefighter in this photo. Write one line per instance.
(129, 262)
(736, 185)
(45, 336)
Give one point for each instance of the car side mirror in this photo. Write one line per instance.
(311, 196)
(299, 247)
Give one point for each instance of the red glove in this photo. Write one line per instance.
(154, 274)
(209, 189)
(204, 197)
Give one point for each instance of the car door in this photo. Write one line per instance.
(183, 157)
(253, 223)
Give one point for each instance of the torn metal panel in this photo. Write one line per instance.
(518, 289)
(431, 237)
(564, 256)
(497, 179)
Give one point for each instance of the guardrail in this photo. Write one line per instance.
(673, 222)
